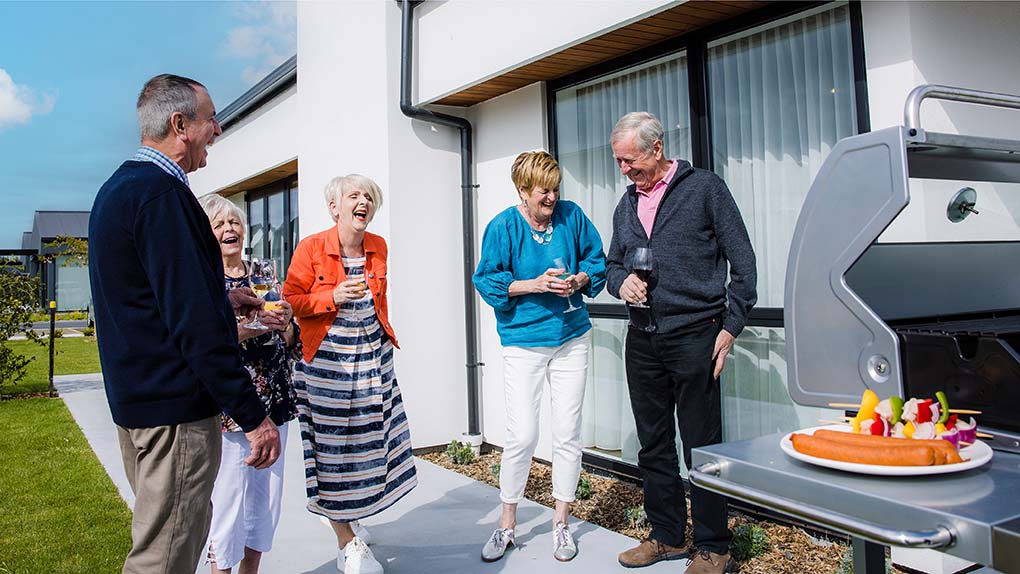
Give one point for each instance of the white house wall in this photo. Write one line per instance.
(460, 43)
(349, 61)
(961, 44)
(265, 139)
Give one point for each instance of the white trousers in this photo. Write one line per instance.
(246, 502)
(526, 371)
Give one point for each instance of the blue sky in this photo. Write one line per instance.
(70, 73)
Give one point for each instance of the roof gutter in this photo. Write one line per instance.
(467, 210)
(280, 78)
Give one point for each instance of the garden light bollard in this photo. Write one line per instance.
(53, 325)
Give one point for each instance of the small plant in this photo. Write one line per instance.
(89, 331)
(583, 491)
(460, 453)
(58, 333)
(637, 517)
(494, 470)
(749, 540)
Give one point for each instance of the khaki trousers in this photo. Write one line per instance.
(171, 470)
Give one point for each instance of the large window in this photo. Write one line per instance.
(769, 103)
(585, 115)
(272, 223)
(779, 98)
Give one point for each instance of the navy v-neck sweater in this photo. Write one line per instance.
(166, 331)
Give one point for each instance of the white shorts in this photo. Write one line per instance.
(246, 502)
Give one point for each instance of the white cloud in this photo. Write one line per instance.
(265, 37)
(19, 103)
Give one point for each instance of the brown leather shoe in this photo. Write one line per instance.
(651, 551)
(705, 562)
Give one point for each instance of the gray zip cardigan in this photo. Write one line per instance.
(697, 231)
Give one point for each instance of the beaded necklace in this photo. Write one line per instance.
(542, 238)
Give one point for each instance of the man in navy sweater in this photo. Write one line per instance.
(167, 331)
(677, 345)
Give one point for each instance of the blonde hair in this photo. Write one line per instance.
(341, 185)
(214, 205)
(534, 169)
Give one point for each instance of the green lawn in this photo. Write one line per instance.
(74, 356)
(59, 510)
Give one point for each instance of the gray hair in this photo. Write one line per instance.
(643, 124)
(214, 205)
(341, 185)
(161, 97)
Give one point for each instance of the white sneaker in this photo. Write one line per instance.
(564, 548)
(359, 530)
(357, 558)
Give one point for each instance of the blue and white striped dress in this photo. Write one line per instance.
(356, 440)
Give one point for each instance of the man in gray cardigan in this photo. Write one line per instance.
(677, 345)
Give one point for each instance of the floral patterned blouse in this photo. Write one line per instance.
(270, 362)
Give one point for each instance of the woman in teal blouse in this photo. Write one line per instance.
(538, 258)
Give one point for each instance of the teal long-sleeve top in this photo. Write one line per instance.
(511, 253)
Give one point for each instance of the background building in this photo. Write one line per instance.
(62, 281)
(757, 91)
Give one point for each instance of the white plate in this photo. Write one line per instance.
(979, 453)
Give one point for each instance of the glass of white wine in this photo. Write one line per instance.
(262, 278)
(561, 263)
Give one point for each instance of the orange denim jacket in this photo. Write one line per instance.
(316, 269)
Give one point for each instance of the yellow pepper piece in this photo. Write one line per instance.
(908, 430)
(939, 429)
(866, 412)
(868, 403)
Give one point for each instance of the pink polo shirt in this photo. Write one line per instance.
(648, 200)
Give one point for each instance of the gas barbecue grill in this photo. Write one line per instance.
(904, 319)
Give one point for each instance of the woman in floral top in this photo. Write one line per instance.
(246, 501)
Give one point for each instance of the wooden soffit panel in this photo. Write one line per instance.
(667, 24)
(265, 178)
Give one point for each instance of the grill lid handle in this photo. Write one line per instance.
(912, 109)
(708, 476)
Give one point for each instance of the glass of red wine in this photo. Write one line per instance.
(642, 265)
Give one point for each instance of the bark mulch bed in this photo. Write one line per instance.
(791, 550)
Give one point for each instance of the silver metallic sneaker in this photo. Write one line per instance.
(564, 548)
(496, 546)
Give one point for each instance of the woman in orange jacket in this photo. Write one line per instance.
(354, 431)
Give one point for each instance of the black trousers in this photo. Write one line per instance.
(671, 373)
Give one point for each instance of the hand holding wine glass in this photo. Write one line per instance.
(262, 278)
(635, 288)
(349, 290)
(276, 313)
(566, 276)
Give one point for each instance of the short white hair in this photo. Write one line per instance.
(215, 205)
(644, 125)
(162, 97)
(341, 185)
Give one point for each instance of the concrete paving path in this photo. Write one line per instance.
(438, 528)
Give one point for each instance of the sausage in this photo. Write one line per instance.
(876, 454)
(874, 441)
(947, 454)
